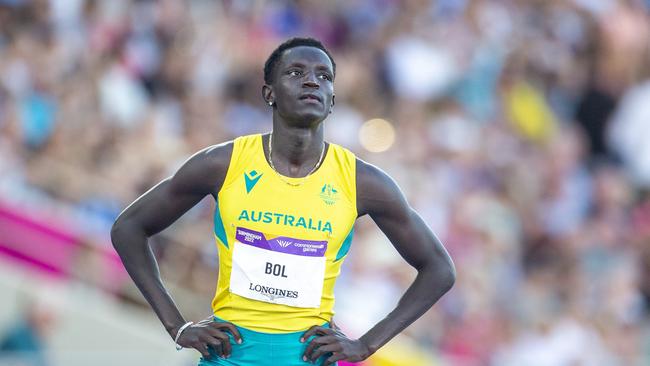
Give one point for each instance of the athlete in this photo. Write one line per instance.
(286, 203)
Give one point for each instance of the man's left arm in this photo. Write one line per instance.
(380, 197)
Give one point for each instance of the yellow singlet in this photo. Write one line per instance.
(281, 246)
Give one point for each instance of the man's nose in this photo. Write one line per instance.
(310, 80)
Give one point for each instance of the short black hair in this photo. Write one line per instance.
(271, 62)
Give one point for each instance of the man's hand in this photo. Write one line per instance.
(206, 333)
(333, 341)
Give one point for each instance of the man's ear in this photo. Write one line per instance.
(267, 95)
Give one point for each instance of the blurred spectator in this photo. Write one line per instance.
(630, 132)
(522, 138)
(24, 342)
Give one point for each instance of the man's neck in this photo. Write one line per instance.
(295, 151)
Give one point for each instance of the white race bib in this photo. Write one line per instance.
(279, 270)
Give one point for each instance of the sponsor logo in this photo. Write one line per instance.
(273, 293)
(251, 179)
(329, 194)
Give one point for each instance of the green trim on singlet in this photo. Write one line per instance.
(219, 230)
(345, 247)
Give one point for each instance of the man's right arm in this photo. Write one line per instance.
(158, 208)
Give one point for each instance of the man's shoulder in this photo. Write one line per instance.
(369, 174)
(205, 170)
(216, 155)
(375, 188)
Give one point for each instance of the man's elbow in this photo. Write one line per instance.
(121, 232)
(448, 276)
(116, 233)
(443, 274)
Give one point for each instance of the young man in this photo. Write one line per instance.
(286, 205)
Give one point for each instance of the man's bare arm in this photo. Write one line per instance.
(380, 197)
(200, 175)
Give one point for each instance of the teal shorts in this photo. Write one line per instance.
(264, 349)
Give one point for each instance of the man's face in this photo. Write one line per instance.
(303, 87)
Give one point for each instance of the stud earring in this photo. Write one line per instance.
(270, 103)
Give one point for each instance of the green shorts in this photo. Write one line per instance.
(264, 349)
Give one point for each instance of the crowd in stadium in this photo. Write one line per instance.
(522, 132)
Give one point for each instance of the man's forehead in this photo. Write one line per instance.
(305, 54)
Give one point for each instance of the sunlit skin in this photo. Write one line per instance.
(302, 95)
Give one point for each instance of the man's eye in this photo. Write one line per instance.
(295, 73)
(326, 77)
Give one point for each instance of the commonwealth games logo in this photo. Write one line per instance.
(284, 243)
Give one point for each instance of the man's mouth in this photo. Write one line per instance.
(313, 97)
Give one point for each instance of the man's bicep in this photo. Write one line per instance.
(200, 175)
(158, 208)
(384, 202)
(411, 237)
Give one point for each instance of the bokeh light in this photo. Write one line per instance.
(377, 135)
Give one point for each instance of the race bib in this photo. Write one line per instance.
(278, 270)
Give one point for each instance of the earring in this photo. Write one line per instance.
(271, 103)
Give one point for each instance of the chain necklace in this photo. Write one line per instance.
(282, 178)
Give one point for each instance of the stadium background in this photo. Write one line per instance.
(520, 130)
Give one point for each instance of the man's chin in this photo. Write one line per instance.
(308, 118)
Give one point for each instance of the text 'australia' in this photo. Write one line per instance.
(285, 219)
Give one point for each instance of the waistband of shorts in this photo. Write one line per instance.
(255, 336)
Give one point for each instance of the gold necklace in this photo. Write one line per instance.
(294, 184)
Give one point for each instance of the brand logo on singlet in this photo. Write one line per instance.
(272, 292)
(329, 194)
(251, 179)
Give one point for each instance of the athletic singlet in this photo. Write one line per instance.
(281, 246)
